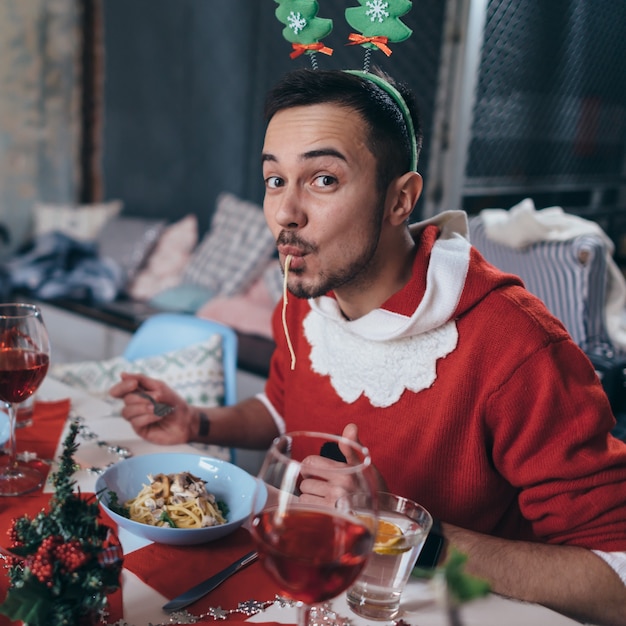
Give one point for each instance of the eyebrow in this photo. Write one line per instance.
(311, 154)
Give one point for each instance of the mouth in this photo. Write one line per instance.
(296, 262)
(297, 256)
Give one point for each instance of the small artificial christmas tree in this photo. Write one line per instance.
(63, 562)
(303, 28)
(378, 24)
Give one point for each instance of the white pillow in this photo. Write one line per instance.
(195, 372)
(82, 222)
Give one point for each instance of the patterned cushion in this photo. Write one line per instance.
(82, 222)
(235, 250)
(195, 372)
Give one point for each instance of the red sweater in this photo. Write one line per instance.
(511, 438)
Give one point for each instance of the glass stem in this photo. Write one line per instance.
(304, 614)
(12, 449)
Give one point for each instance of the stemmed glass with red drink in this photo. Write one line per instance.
(314, 548)
(24, 360)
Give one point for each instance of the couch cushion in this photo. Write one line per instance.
(82, 222)
(166, 263)
(185, 298)
(235, 250)
(195, 372)
(129, 241)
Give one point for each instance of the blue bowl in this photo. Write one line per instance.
(229, 483)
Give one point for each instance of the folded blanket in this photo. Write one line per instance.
(57, 266)
(523, 225)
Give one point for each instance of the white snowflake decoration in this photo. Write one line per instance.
(296, 22)
(377, 10)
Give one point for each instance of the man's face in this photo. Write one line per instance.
(321, 201)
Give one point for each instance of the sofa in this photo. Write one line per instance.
(101, 264)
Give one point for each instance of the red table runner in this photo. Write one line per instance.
(172, 570)
(42, 437)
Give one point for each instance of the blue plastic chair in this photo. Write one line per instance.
(165, 332)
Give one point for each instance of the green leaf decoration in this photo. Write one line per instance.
(65, 561)
(301, 22)
(28, 604)
(462, 587)
(380, 18)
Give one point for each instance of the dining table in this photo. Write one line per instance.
(155, 573)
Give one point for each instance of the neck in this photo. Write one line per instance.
(389, 272)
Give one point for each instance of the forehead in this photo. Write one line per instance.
(298, 131)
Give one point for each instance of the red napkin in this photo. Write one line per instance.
(172, 570)
(41, 437)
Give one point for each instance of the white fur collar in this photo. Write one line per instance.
(379, 370)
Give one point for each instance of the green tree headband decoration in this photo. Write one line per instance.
(378, 23)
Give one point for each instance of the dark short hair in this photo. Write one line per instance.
(388, 136)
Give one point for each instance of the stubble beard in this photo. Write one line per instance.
(357, 274)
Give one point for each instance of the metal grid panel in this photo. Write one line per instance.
(551, 93)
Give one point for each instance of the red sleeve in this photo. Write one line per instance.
(571, 473)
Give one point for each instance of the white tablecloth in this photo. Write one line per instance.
(142, 605)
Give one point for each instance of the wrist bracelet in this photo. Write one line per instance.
(204, 425)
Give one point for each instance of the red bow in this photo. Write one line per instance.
(379, 41)
(301, 48)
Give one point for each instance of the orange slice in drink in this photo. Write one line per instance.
(389, 539)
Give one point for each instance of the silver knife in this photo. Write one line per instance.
(201, 589)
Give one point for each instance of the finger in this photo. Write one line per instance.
(350, 432)
(318, 465)
(127, 384)
(320, 490)
(324, 471)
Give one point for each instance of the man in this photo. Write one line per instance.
(471, 397)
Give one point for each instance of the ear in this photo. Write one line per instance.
(402, 196)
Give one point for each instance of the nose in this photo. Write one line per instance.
(286, 209)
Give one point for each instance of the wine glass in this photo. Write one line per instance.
(314, 548)
(24, 360)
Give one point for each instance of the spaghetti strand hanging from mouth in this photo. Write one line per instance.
(284, 313)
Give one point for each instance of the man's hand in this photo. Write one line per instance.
(179, 426)
(316, 489)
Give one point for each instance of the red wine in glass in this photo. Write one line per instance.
(314, 555)
(314, 547)
(21, 373)
(24, 360)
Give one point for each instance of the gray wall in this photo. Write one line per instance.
(184, 86)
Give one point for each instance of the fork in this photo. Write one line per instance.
(161, 409)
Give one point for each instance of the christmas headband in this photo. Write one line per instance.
(378, 24)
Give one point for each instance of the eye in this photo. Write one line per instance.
(325, 180)
(273, 182)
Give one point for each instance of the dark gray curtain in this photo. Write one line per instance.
(184, 87)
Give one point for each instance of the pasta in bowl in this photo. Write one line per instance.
(181, 499)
